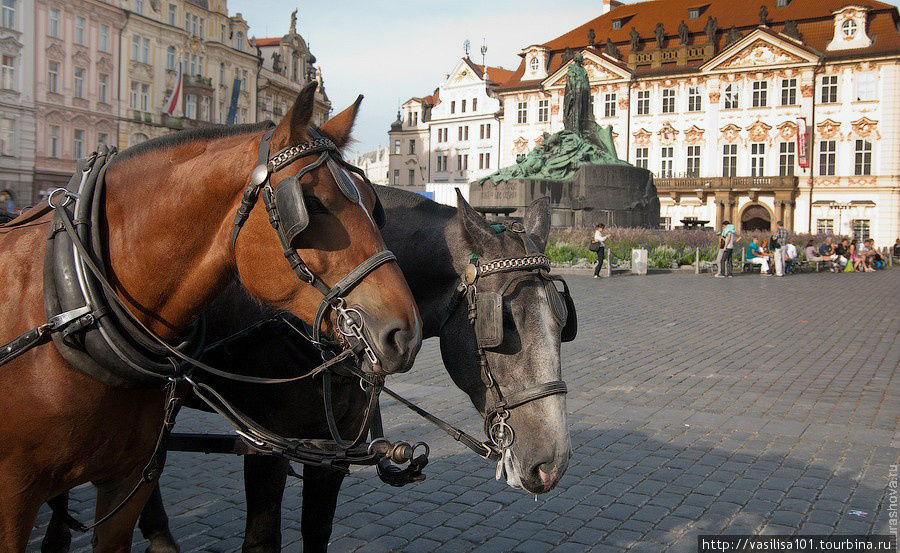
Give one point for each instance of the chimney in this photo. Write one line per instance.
(607, 5)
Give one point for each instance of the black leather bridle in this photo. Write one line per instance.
(288, 216)
(485, 316)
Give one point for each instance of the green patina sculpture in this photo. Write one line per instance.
(582, 142)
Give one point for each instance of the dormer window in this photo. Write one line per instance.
(535, 65)
(616, 24)
(782, 3)
(693, 13)
(849, 28)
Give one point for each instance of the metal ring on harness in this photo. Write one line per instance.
(67, 197)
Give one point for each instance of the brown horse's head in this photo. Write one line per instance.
(341, 234)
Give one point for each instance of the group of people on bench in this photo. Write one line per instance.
(846, 255)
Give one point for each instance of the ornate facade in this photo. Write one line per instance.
(287, 66)
(75, 84)
(376, 164)
(747, 114)
(216, 57)
(16, 104)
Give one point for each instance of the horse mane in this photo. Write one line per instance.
(212, 132)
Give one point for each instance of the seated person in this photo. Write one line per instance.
(826, 251)
(874, 258)
(790, 258)
(896, 250)
(757, 256)
(812, 253)
(842, 251)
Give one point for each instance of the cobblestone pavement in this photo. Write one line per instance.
(698, 405)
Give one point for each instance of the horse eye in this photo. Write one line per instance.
(315, 205)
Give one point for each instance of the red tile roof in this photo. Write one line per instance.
(814, 19)
(497, 75)
(267, 41)
(431, 100)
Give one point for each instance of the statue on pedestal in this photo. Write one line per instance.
(577, 99)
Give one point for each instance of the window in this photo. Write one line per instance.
(522, 112)
(239, 40)
(829, 89)
(693, 161)
(139, 6)
(7, 136)
(9, 14)
(135, 47)
(757, 159)
(665, 162)
(170, 58)
(190, 106)
(78, 144)
(442, 164)
(412, 146)
(453, 106)
(863, 161)
(665, 223)
(54, 141)
(412, 177)
(642, 157)
(861, 228)
(827, 157)
(543, 111)
(173, 14)
(617, 24)
(824, 226)
(474, 104)
(134, 96)
(849, 28)
(104, 38)
(8, 73)
(138, 137)
(484, 161)
(865, 86)
(463, 106)
(415, 120)
(202, 33)
(760, 94)
(53, 76)
(462, 162)
(786, 159)
(643, 102)
(243, 75)
(732, 97)
(79, 30)
(668, 100)
(466, 132)
(695, 99)
(103, 138)
(729, 160)
(609, 105)
(459, 132)
(535, 65)
(54, 23)
(397, 147)
(396, 177)
(788, 92)
(222, 34)
(222, 73)
(79, 82)
(693, 13)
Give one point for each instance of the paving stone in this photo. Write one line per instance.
(786, 442)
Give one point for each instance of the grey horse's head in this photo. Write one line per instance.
(528, 356)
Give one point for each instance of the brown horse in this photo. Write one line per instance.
(168, 218)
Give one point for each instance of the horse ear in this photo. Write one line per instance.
(292, 127)
(478, 232)
(339, 127)
(537, 222)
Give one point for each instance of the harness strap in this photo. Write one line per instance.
(257, 179)
(522, 397)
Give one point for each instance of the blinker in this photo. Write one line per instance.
(291, 209)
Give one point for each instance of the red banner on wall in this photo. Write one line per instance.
(802, 143)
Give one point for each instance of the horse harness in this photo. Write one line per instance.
(97, 333)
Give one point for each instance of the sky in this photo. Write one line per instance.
(392, 50)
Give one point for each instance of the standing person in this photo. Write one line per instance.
(778, 242)
(727, 239)
(720, 238)
(757, 256)
(597, 244)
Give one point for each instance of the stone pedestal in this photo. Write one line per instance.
(639, 261)
(616, 195)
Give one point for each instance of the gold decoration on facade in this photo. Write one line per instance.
(667, 134)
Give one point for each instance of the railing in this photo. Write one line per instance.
(726, 183)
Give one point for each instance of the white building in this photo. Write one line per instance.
(716, 108)
(409, 142)
(376, 165)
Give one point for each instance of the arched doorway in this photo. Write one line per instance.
(756, 217)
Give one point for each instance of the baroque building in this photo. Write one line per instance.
(76, 56)
(287, 66)
(218, 66)
(409, 142)
(16, 104)
(750, 112)
(376, 165)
